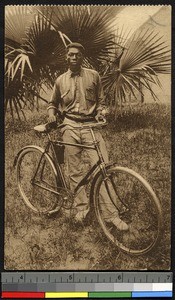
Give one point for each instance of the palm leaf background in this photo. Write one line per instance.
(37, 56)
(31, 62)
(91, 26)
(145, 55)
(17, 21)
(36, 39)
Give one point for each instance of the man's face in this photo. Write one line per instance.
(74, 57)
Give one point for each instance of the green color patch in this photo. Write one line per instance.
(110, 295)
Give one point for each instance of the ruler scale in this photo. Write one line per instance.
(86, 284)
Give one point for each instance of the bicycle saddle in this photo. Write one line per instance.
(41, 128)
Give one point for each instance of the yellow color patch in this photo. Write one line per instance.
(66, 295)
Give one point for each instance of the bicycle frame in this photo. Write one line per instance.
(47, 173)
(86, 179)
(61, 182)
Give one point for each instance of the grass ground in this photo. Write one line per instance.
(140, 140)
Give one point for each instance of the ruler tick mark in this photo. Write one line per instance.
(88, 278)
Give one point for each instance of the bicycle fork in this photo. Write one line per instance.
(108, 180)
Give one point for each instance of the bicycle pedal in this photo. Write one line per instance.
(51, 213)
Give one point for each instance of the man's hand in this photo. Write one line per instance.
(100, 116)
(52, 119)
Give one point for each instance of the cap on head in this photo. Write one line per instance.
(76, 45)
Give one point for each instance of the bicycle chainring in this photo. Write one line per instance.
(67, 198)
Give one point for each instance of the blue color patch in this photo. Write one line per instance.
(151, 294)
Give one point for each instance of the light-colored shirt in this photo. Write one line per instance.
(78, 94)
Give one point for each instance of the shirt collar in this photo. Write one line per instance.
(72, 74)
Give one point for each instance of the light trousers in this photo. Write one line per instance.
(75, 165)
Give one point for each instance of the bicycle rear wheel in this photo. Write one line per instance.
(37, 180)
(134, 201)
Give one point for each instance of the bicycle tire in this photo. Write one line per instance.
(135, 202)
(42, 199)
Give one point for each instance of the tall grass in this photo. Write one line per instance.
(141, 140)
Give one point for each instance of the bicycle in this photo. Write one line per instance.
(42, 185)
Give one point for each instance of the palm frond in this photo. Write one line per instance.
(34, 63)
(146, 48)
(15, 97)
(145, 56)
(17, 19)
(44, 43)
(20, 63)
(91, 26)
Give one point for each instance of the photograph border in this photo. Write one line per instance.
(2, 119)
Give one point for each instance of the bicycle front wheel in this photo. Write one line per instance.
(125, 194)
(37, 180)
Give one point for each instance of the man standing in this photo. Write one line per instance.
(78, 95)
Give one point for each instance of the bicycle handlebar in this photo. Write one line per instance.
(45, 128)
(85, 125)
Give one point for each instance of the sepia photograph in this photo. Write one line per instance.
(87, 98)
